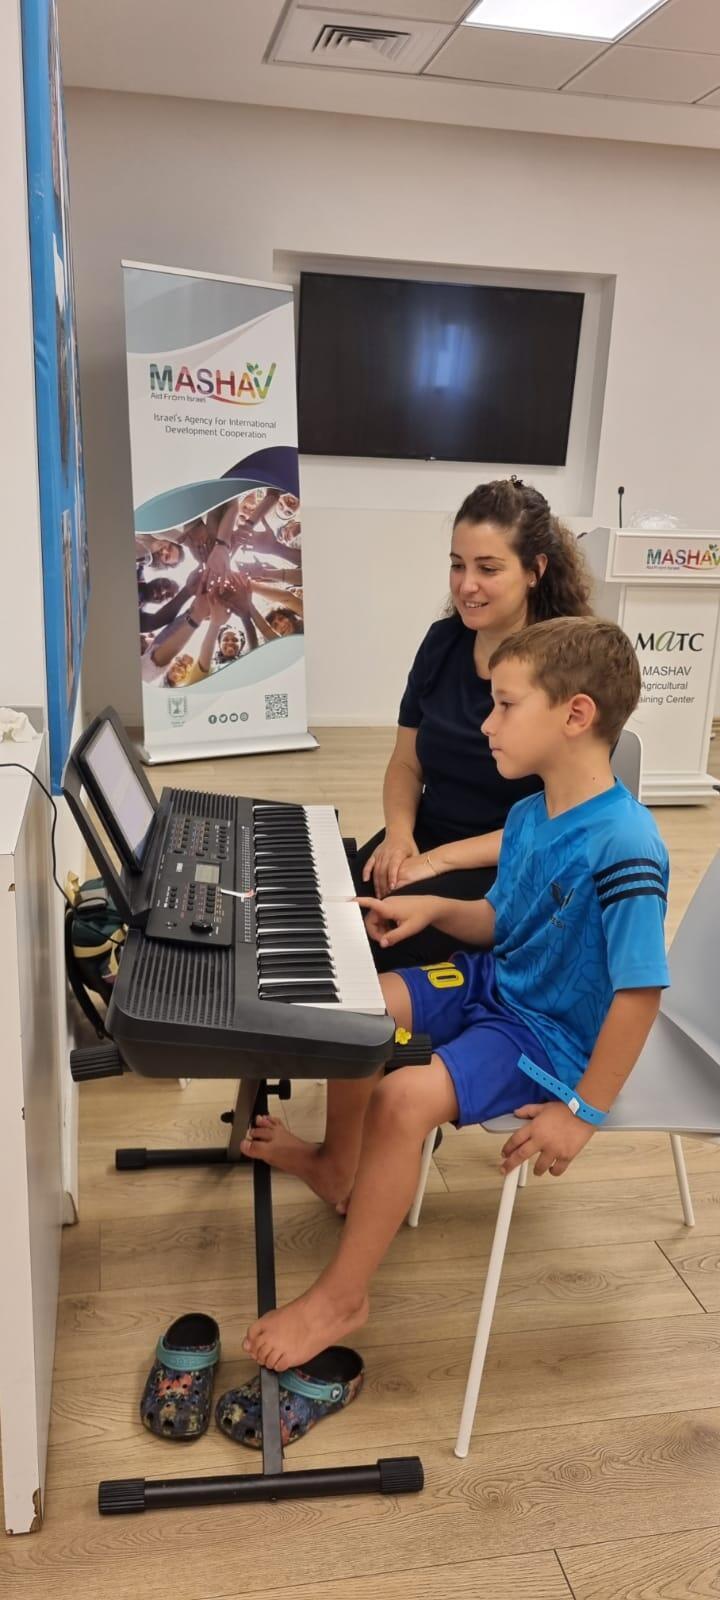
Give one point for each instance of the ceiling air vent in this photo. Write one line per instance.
(388, 42)
(357, 42)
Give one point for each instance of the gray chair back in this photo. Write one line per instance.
(626, 761)
(693, 1000)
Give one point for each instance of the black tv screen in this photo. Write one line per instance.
(435, 371)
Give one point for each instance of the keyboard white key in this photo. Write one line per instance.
(331, 863)
(357, 981)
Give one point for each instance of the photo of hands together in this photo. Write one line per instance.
(212, 590)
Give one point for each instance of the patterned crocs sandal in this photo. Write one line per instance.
(178, 1393)
(307, 1394)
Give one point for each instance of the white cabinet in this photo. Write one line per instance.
(31, 1193)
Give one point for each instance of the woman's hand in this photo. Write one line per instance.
(390, 921)
(415, 869)
(385, 862)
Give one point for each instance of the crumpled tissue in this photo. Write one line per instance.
(16, 725)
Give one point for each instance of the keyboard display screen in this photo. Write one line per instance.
(205, 872)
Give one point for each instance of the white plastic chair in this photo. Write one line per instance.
(674, 1088)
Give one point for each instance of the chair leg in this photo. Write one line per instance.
(522, 1180)
(427, 1155)
(682, 1180)
(487, 1309)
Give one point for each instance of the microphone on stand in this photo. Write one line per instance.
(621, 492)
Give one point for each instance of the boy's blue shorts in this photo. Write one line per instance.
(477, 1038)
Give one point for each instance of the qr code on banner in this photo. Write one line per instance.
(276, 707)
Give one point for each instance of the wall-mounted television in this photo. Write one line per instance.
(411, 370)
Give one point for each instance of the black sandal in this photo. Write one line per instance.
(309, 1393)
(178, 1393)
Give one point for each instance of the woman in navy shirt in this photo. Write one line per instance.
(445, 803)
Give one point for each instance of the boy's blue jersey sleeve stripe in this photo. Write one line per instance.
(657, 878)
(651, 862)
(618, 880)
(631, 887)
(631, 894)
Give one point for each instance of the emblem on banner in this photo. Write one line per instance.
(177, 709)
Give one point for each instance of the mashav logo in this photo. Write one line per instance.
(247, 388)
(684, 557)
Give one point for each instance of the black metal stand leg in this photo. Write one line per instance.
(229, 1155)
(214, 1156)
(394, 1475)
(266, 1300)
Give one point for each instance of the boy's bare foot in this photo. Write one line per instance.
(269, 1140)
(297, 1332)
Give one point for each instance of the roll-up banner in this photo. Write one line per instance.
(65, 569)
(218, 553)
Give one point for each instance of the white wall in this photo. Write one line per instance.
(243, 190)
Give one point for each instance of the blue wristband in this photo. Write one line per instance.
(562, 1091)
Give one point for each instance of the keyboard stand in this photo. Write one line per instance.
(123, 1496)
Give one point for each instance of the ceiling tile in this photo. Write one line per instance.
(418, 10)
(712, 99)
(682, 25)
(502, 55)
(641, 74)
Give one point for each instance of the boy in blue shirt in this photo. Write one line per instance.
(563, 994)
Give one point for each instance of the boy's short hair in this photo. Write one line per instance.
(580, 655)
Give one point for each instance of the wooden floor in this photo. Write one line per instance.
(595, 1464)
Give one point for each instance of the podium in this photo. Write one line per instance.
(664, 590)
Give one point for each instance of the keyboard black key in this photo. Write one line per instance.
(268, 877)
(285, 944)
(307, 994)
(301, 960)
(281, 967)
(282, 899)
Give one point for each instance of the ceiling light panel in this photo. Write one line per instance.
(579, 19)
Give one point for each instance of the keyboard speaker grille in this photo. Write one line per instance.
(172, 983)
